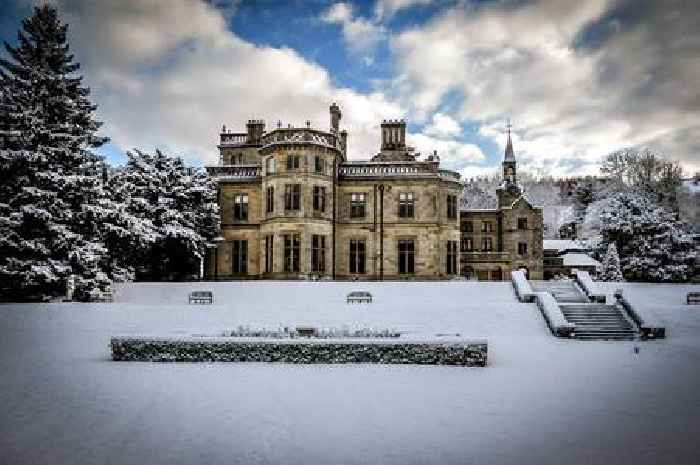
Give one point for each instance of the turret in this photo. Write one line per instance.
(344, 142)
(255, 129)
(335, 117)
(509, 172)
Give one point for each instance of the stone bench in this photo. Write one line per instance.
(201, 297)
(358, 297)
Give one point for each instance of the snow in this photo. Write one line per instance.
(522, 286)
(540, 400)
(552, 313)
(579, 259)
(583, 278)
(692, 185)
(562, 245)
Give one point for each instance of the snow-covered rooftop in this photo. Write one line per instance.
(562, 245)
(579, 259)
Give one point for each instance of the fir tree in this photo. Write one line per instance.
(653, 244)
(47, 128)
(169, 216)
(611, 265)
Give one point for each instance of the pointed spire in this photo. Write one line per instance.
(510, 155)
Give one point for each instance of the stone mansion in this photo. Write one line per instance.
(294, 207)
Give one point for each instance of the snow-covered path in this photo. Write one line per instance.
(541, 399)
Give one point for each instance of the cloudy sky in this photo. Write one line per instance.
(578, 78)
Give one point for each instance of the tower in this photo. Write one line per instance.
(335, 117)
(509, 173)
(509, 191)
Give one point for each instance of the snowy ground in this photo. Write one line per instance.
(541, 400)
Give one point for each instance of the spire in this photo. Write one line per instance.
(510, 155)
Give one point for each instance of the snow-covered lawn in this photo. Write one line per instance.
(541, 399)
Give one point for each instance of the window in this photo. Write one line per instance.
(495, 275)
(357, 205)
(451, 257)
(270, 165)
(486, 226)
(240, 207)
(270, 200)
(406, 205)
(318, 253)
(522, 223)
(292, 162)
(467, 226)
(318, 164)
(467, 244)
(486, 244)
(522, 248)
(406, 256)
(292, 194)
(357, 256)
(269, 253)
(320, 198)
(291, 253)
(239, 256)
(452, 207)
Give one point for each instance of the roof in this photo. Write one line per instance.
(563, 245)
(510, 155)
(579, 259)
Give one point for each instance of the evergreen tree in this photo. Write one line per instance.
(47, 128)
(169, 216)
(652, 243)
(611, 265)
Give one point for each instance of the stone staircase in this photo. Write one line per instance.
(599, 321)
(564, 291)
(594, 321)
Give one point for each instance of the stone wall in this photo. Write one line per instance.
(302, 351)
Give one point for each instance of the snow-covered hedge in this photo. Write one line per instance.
(311, 350)
(553, 315)
(522, 286)
(650, 326)
(323, 333)
(583, 278)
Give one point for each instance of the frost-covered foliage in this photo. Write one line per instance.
(651, 242)
(47, 128)
(611, 265)
(166, 216)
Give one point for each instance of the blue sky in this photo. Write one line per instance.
(578, 79)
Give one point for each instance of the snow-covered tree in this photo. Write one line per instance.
(653, 245)
(168, 216)
(47, 128)
(611, 265)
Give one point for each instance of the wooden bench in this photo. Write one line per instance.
(201, 297)
(358, 297)
(693, 298)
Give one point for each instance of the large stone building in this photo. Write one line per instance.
(293, 206)
(498, 240)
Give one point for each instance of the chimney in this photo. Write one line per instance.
(393, 135)
(335, 117)
(344, 142)
(255, 129)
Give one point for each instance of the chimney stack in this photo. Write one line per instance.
(255, 129)
(393, 135)
(335, 117)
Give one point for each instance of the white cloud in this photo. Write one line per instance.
(193, 74)
(570, 106)
(360, 35)
(443, 126)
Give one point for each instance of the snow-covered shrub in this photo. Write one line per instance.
(652, 244)
(611, 265)
(464, 353)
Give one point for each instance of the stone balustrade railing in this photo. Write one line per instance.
(407, 169)
(234, 138)
(301, 136)
(234, 172)
(484, 256)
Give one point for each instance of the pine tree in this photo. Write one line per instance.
(653, 244)
(168, 216)
(47, 128)
(611, 265)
